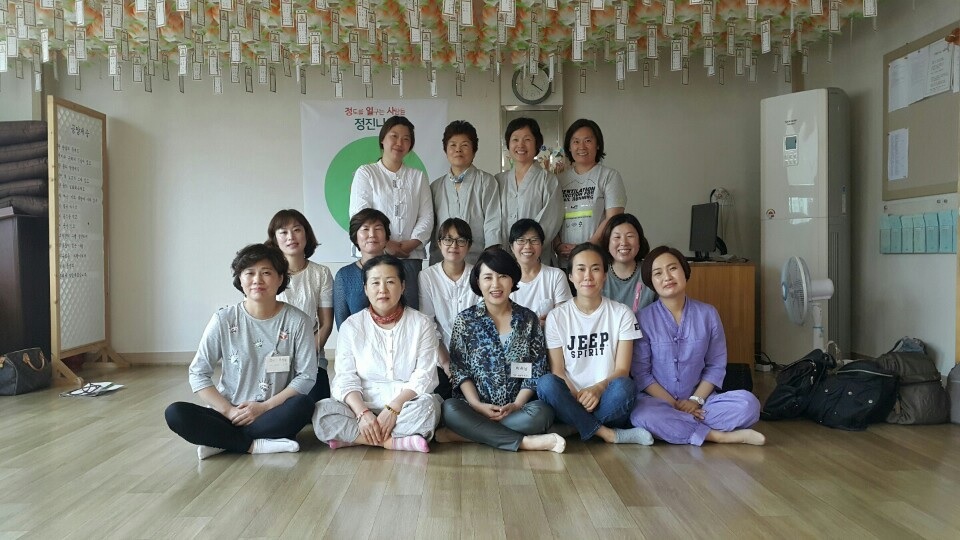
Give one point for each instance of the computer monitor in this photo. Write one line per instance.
(703, 230)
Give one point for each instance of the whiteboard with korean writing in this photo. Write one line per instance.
(78, 256)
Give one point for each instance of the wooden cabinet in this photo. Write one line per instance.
(24, 282)
(731, 288)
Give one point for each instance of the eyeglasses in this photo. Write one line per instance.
(528, 241)
(449, 241)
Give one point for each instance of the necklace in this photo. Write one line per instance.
(293, 272)
(386, 319)
(635, 267)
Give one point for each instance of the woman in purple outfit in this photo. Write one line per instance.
(680, 360)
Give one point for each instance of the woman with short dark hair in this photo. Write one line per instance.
(400, 192)
(269, 364)
(592, 193)
(496, 355)
(369, 232)
(681, 360)
(311, 284)
(623, 238)
(386, 369)
(590, 341)
(445, 290)
(527, 190)
(541, 287)
(466, 192)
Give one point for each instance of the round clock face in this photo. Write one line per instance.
(532, 89)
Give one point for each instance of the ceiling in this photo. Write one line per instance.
(542, 28)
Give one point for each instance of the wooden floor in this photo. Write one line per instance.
(108, 467)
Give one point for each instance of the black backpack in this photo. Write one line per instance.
(795, 385)
(857, 394)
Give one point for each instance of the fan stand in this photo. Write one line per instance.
(817, 315)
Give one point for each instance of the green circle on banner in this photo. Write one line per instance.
(339, 178)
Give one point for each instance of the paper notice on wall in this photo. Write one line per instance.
(939, 66)
(918, 75)
(898, 148)
(898, 87)
(956, 68)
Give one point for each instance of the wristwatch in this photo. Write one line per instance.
(698, 399)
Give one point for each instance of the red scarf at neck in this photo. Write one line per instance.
(386, 319)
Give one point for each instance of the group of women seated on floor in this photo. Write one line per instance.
(504, 350)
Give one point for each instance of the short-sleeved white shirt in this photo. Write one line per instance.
(589, 342)
(544, 292)
(442, 298)
(309, 290)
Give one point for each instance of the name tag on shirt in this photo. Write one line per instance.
(521, 370)
(278, 364)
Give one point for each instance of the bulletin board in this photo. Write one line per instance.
(932, 127)
(79, 309)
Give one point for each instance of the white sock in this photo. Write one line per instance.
(203, 452)
(636, 435)
(273, 446)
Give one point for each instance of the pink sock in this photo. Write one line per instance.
(413, 443)
(334, 444)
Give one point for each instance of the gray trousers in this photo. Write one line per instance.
(333, 420)
(534, 418)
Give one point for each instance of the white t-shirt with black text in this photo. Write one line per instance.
(589, 342)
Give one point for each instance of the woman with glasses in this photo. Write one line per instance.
(526, 190)
(466, 192)
(369, 231)
(268, 361)
(386, 369)
(402, 193)
(541, 287)
(445, 290)
(496, 355)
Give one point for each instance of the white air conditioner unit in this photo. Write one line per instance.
(804, 204)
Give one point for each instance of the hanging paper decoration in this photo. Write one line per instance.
(399, 34)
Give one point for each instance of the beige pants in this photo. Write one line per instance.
(333, 420)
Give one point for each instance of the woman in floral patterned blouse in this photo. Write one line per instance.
(497, 352)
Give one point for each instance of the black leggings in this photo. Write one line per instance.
(321, 390)
(205, 426)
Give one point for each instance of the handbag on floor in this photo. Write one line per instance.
(24, 371)
(856, 395)
(795, 386)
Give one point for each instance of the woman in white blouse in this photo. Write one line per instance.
(445, 290)
(541, 287)
(385, 370)
(402, 193)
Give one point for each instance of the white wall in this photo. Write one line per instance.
(894, 295)
(195, 177)
(17, 99)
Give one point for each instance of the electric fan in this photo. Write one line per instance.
(801, 294)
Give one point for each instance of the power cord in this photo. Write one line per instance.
(762, 362)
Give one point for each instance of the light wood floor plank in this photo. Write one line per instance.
(481, 511)
(317, 511)
(563, 506)
(355, 516)
(397, 517)
(523, 514)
